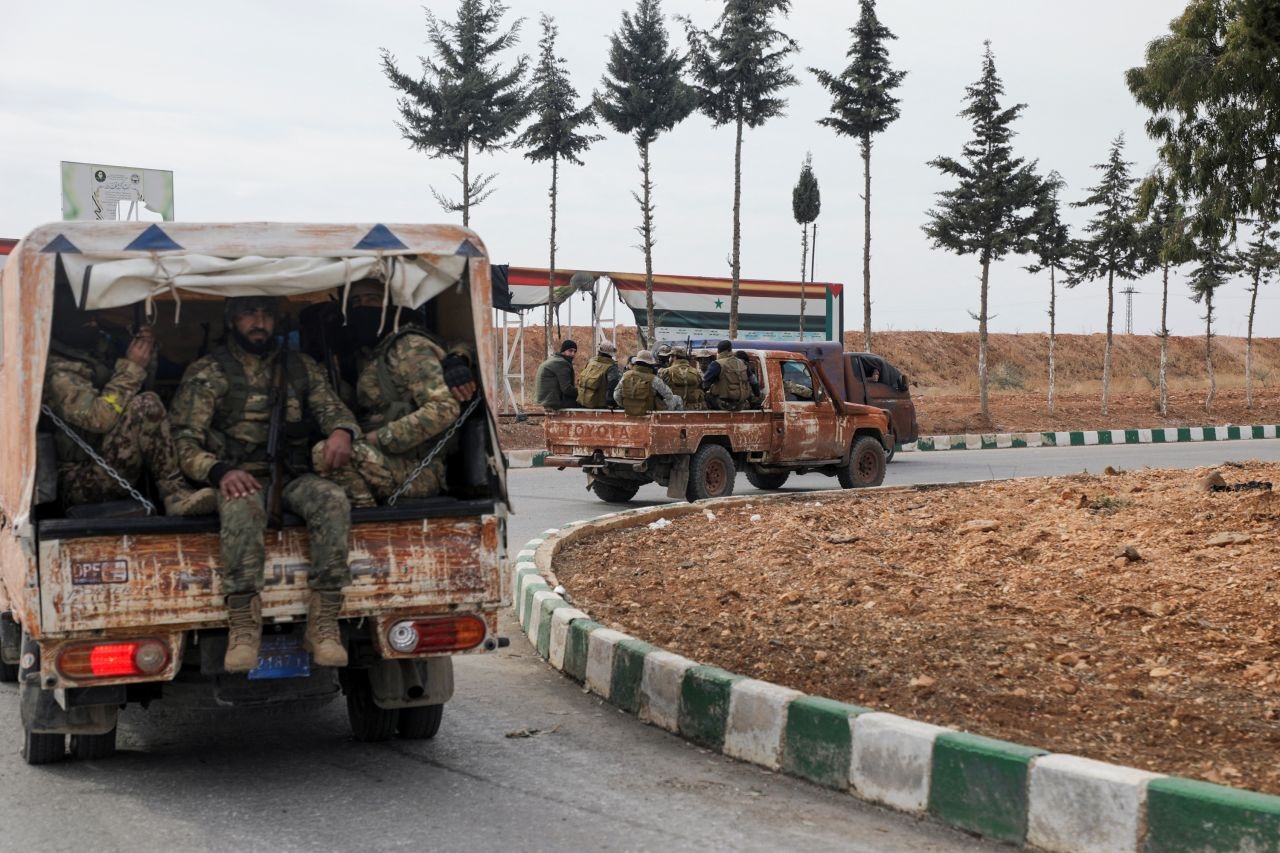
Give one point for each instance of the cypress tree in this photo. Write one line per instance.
(993, 210)
(806, 204)
(1053, 249)
(1216, 266)
(1259, 259)
(1166, 245)
(464, 101)
(556, 134)
(739, 68)
(1113, 248)
(644, 95)
(862, 105)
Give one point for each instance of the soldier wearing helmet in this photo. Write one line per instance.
(684, 378)
(638, 391)
(663, 352)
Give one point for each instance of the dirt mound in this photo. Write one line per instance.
(1129, 618)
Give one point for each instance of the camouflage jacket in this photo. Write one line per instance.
(89, 396)
(204, 433)
(401, 393)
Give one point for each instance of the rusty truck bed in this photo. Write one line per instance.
(160, 574)
(583, 432)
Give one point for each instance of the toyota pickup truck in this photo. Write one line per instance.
(801, 426)
(103, 605)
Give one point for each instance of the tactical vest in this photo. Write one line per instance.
(593, 383)
(68, 450)
(686, 383)
(242, 420)
(394, 400)
(638, 396)
(732, 385)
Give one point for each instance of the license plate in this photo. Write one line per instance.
(281, 656)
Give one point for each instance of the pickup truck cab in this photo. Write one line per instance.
(801, 426)
(103, 605)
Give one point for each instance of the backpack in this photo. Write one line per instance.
(638, 397)
(593, 383)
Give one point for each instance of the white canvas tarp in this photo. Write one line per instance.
(111, 282)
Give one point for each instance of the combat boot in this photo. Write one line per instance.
(244, 638)
(184, 501)
(323, 637)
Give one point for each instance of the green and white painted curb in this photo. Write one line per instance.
(994, 788)
(1090, 438)
(1001, 440)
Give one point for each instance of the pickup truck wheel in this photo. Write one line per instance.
(93, 747)
(767, 480)
(613, 491)
(420, 723)
(369, 723)
(866, 464)
(43, 748)
(711, 473)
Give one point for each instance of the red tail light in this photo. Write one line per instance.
(113, 659)
(442, 634)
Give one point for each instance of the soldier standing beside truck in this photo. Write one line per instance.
(108, 409)
(222, 416)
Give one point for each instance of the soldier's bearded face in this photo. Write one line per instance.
(256, 327)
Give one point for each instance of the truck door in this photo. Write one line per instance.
(809, 430)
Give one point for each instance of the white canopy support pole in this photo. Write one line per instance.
(509, 348)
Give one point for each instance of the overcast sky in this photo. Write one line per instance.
(279, 111)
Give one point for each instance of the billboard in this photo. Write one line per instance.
(98, 191)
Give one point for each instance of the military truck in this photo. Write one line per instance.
(106, 605)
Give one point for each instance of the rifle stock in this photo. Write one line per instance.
(277, 444)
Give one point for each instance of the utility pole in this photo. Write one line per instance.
(1128, 308)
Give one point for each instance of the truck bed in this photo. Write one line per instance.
(582, 432)
(160, 574)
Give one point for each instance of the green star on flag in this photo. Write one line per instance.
(719, 303)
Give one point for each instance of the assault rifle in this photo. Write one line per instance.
(277, 442)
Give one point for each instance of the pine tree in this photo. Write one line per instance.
(1113, 248)
(1216, 266)
(1260, 261)
(1166, 245)
(806, 204)
(464, 101)
(556, 134)
(994, 208)
(738, 69)
(862, 105)
(644, 96)
(1054, 250)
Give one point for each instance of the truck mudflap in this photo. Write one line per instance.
(49, 712)
(411, 683)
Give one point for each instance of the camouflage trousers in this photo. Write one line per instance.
(373, 475)
(324, 508)
(139, 440)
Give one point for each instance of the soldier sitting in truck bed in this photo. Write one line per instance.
(725, 381)
(638, 391)
(105, 407)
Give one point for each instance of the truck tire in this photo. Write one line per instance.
(43, 748)
(767, 480)
(711, 473)
(420, 723)
(369, 723)
(866, 464)
(614, 491)
(93, 747)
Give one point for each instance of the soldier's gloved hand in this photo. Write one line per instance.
(458, 376)
(238, 484)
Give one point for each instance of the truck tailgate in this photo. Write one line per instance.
(170, 579)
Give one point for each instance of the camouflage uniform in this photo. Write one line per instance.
(211, 437)
(401, 394)
(109, 410)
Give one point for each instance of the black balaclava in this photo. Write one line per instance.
(244, 305)
(362, 325)
(71, 326)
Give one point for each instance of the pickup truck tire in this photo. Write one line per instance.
(369, 723)
(711, 473)
(93, 747)
(767, 480)
(613, 491)
(866, 464)
(43, 748)
(420, 723)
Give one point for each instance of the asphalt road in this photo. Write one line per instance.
(596, 779)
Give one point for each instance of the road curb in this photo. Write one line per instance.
(1004, 440)
(994, 788)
